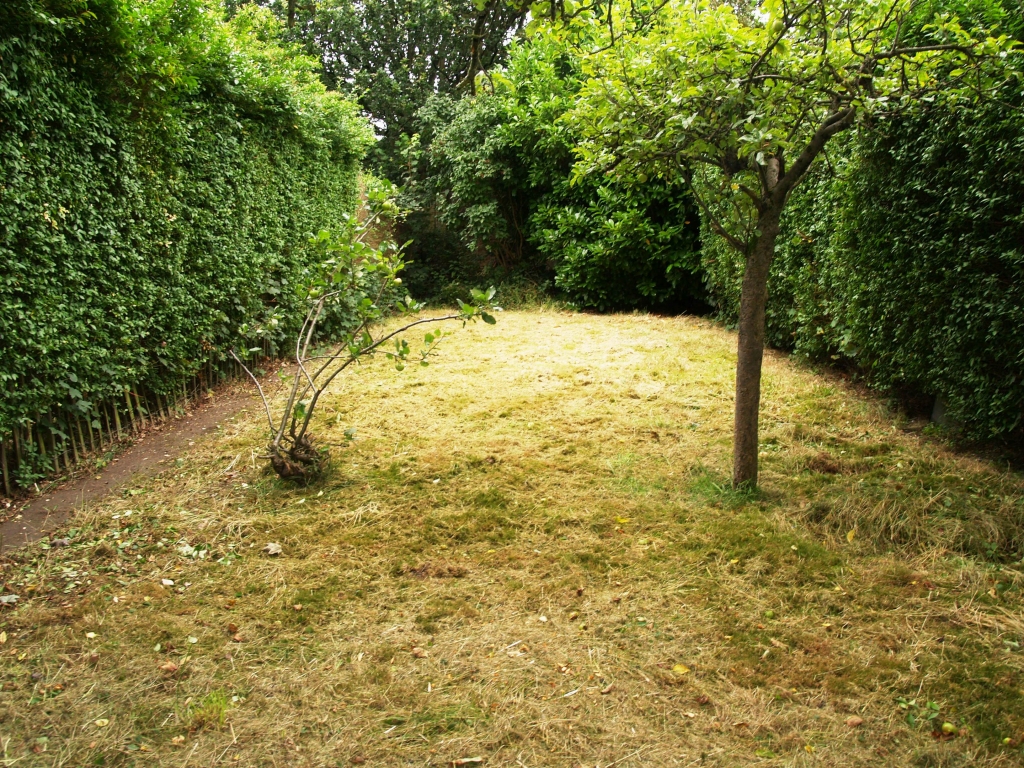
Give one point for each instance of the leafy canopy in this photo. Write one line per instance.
(393, 55)
(755, 91)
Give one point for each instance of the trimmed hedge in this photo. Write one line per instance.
(904, 259)
(162, 171)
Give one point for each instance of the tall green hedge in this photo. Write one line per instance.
(903, 259)
(161, 171)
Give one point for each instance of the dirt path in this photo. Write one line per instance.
(148, 455)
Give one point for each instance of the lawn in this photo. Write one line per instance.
(530, 556)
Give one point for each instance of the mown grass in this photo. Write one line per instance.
(544, 515)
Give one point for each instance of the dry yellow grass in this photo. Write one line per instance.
(543, 515)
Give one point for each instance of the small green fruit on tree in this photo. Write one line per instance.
(361, 279)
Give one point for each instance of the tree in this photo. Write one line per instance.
(394, 54)
(741, 99)
(496, 171)
(359, 283)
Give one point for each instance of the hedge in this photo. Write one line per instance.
(903, 259)
(162, 170)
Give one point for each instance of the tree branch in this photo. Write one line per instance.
(734, 241)
(833, 124)
(893, 53)
(266, 405)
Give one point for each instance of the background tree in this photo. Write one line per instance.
(392, 55)
(740, 103)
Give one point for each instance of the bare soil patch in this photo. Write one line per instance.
(147, 454)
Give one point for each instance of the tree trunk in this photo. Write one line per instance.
(750, 352)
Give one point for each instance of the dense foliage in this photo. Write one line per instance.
(491, 183)
(161, 173)
(393, 55)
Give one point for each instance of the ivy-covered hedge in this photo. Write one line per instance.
(161, 173)
(903, 258)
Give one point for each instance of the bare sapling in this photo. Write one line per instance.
(352, 294)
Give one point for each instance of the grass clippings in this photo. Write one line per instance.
(531, 556)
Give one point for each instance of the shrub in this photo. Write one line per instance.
(492, 197)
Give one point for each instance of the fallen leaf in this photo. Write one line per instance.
(809, 749)
(681, 669)
(237, 637)
(169, 667)
(608, 689)
(178, 740)
(102, 722)
(90, 635)
(358, 760)
(232, 629)
(419, 653)
(297, 607)
(851, 535)
(273, 549)
(854, 721)
(3, 638)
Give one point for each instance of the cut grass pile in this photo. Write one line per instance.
(531, 556)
